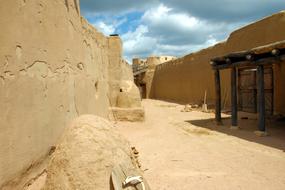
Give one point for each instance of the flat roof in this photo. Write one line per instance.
(268, 54)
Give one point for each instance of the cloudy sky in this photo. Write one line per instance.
(173, 27)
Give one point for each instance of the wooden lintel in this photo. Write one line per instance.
(264, 61)
(255, 51)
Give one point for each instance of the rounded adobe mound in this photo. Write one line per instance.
(86, 155)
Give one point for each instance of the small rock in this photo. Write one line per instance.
(261, 133)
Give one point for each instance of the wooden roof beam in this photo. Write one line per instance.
(264, 61)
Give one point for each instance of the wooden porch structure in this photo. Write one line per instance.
(256, 58)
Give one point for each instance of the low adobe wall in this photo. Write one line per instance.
(186, 79)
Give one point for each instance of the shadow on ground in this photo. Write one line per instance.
(276, 129)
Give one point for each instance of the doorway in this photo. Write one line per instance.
(247, 90)
(142, 89)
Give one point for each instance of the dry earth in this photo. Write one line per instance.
(176, 154)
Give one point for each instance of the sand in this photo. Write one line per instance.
(176, 154)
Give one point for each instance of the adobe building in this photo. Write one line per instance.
(251, 79)
(144, 69)
(186, 79)
(54, 67)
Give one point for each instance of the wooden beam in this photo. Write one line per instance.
(218, 97)
(261, 99)
(255, 51)
(234, 97)
(228, 61)
(275, 52)
(269, 47)
(264, 61)
(249, 57)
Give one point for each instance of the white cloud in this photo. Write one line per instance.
(109, 26)
(165, 32)
(181, 28)
(175, 27)
(164, 15)
(137, 43)
(214, 10)
(104, 28)
(175, 50)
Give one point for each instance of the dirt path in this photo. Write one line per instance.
(176, 154)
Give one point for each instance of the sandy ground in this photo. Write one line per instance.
(186, 150)
(178, 154)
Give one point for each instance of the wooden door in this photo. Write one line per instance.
(247, 90)
(268, 87)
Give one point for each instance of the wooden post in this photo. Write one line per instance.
(261, 99)
(218, 97)
(234, 98)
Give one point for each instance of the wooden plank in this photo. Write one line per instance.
(247, 90)
(121, 172)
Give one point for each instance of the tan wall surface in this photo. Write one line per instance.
(54, 66)
(186, 79)
(121, 78)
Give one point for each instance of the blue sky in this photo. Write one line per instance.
(173, 27)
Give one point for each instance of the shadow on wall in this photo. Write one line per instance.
(275, 128)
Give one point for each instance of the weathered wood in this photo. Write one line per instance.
(218, 97)
(258, 52)
(269, 47)
(234, 97)
(121, 172)
(256, 57)
(275, 52)
(249, 57)
(261, 99)
(228, 61)
(212, 63)
(264, 61)
(219, 59)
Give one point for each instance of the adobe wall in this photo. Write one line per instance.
(152, 62)
(186, 79)
(120, 73)
(146, 78)
(54, 66)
